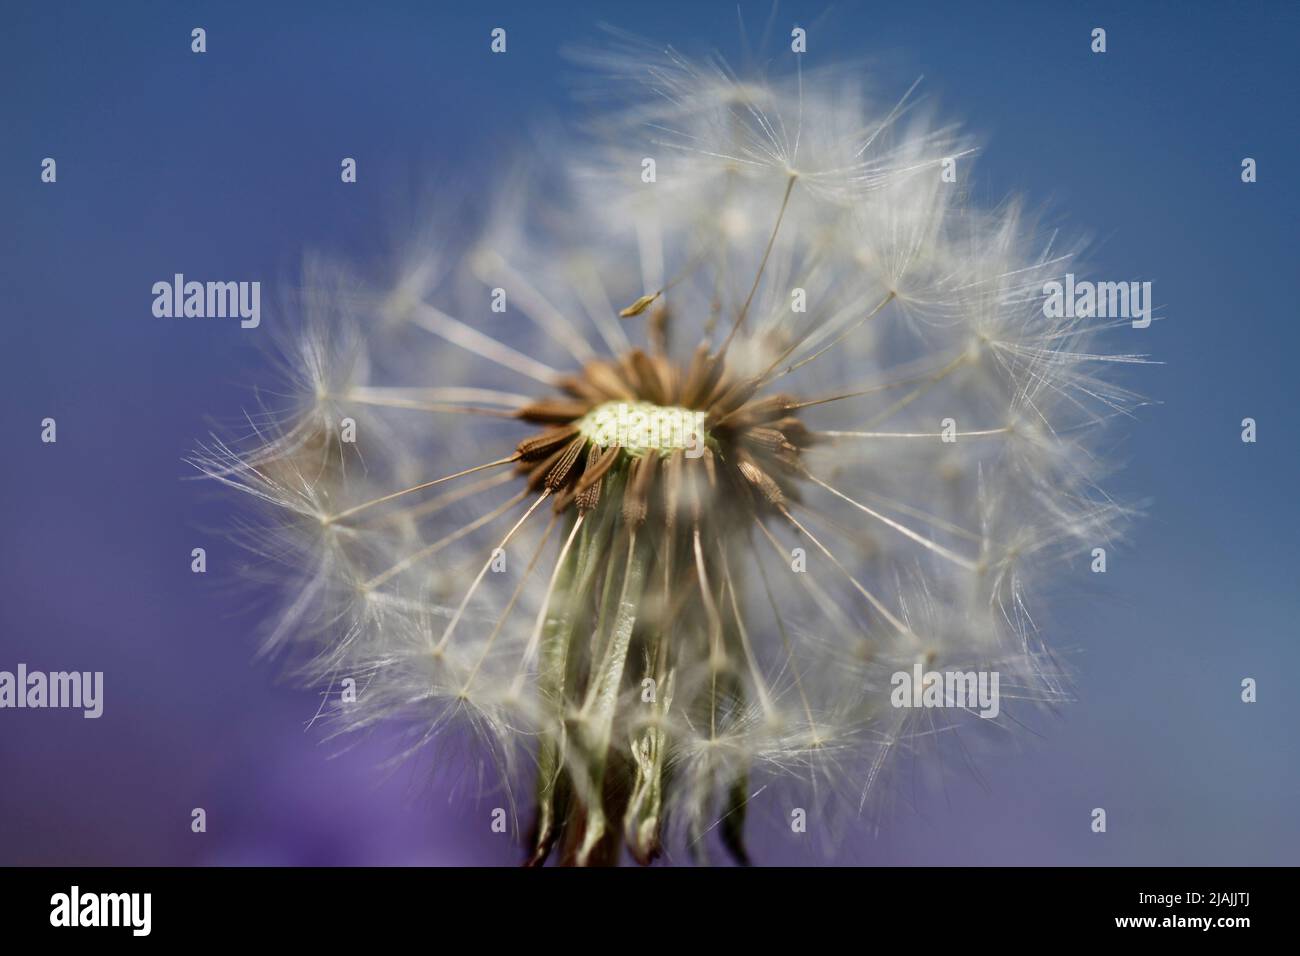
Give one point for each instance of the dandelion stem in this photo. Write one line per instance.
(973, 434)
(756, 673)
(472, 340)
(447, 498)
(927, 378)
(410, 400)
(510, 605)
(602, 697)
(785, 635)
(762, 265)
(575, 579)
(828, 346)
(536, 637)
(420, 487)
(464, 602)
(874, 601)
(441, 543)
(897, 526)
(534, 305)
(920, 390)
(717, 657)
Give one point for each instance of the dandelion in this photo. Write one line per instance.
(749, 436)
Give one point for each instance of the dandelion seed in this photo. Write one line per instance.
(629, 668)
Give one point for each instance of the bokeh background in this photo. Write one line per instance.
(225, 165)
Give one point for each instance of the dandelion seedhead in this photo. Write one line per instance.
(733, 410)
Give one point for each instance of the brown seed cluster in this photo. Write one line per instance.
(751, 449)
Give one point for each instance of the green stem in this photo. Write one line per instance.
(598, 712)
(561, 626)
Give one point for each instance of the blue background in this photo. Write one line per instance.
(226, 165)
